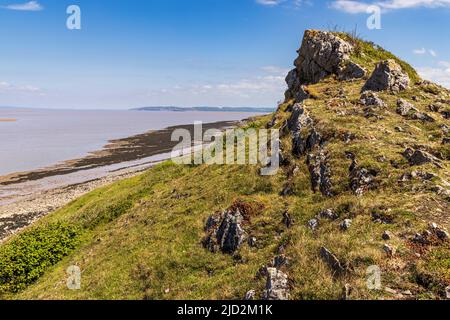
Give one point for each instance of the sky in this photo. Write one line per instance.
(135, 53)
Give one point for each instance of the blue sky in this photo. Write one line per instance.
(132, 53)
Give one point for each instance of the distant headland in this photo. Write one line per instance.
(206, 109)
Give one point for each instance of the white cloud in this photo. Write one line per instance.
(424, 51)
(440, 75)
(291, 3)
(7, 87)
(420, 51)
(275, 70)
(263, 90)
(269, 3)
(354, 7)
(27, 6)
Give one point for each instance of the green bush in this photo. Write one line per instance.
(24, 259)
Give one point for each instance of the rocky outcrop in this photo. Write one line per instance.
(277, 287)
(225, 232)
(388, 76)
(408, 110)
(321, 54)
(332, 261)
(320, 173)
(299, 118)
(419, 157)
(361, 179)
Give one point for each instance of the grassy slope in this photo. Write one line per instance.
(141, 238)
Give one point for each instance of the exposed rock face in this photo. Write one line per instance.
(299, 119)
(320, 55)
(388, 75)
(352, 71)
(225, 232)
(296, 90)
(332, 261)
(277, 287)
(320, 173)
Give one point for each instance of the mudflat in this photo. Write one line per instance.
(24, 199)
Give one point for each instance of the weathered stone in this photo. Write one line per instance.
(388, 75)
(313, 224)
(328, 214)
(422, 117)
(277, 287)
(280, 261)
(439, 232)
(447, 292)
(387, 235)
(225, 232)
(361, 179)
(419, 157)
(346, 224)
(250, 295)
(321, 54)
(252, 241)
(404, 108)
(287, 219)
(389, 250)
(332, 261)
(352, 71)
(320, 173)
(299, 118)
(296, 89)
(371, 99)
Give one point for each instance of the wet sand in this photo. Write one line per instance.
(25, 197)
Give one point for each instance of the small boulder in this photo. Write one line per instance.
(287, 219)
(277, 287)
(346, 224)
(389, 250)
(388, 75)
(332, 261)
(419, 157)
(352, 71)
(328, 214)
(371, 99)
(447, 292)
(404, 108)
(250, 295)
(313, 224)
(387, 236)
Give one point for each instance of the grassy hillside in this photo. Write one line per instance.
(141, 238)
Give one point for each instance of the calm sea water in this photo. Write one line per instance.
(40, 138)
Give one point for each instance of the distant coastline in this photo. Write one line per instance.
(7, 120)
(205, 109)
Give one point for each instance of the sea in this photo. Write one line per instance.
(39, 138)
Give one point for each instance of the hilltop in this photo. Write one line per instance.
(364, 186)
